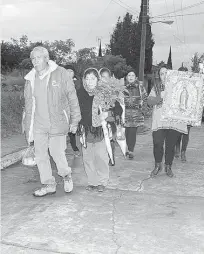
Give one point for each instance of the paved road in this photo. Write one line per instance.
(135, 215)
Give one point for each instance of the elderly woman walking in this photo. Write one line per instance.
(162, 130)
(135, 103)
(95, 155)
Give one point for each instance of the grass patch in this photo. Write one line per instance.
(11, 112)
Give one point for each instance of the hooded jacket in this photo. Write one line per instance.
(62, 101)
(135, 104)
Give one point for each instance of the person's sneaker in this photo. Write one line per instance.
(101, 188)
(68, 183)
(46, 190)
(77, 153)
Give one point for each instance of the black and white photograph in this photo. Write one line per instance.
(102, 127)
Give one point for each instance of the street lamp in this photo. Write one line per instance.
(168, 22)
(143, 40)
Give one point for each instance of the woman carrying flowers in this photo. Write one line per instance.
(95, 155)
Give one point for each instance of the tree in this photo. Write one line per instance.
(126, 39)
(13, 52)
(182, 68)
(25, 66)
(86, 53)
(160, 64)
(85, 58)
(61, 50)
(196, 59)
(169, 62)
(10, 56)
(100, 50)
(117, 65)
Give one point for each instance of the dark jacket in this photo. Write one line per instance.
(135, 104)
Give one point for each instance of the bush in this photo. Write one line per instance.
(11, 112)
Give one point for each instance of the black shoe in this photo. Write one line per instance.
(168, 170)
(111, 164)
(157, 169)
(183, 156)
(127, 154)
(131, 155)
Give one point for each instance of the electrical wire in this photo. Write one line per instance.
(168, 12)
(131, 11)
(176, 18)
(184, 36)
(180, 15)
(128, 6)
(99, 17)
(185, 8)
(166, 6)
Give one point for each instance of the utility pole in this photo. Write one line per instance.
(144, 9)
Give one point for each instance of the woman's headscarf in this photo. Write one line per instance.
(90, 99)
(91, 92)
(104, 69)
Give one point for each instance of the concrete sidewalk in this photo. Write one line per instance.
(136, 214)
(13, 144)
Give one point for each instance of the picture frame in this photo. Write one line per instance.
(183, 97)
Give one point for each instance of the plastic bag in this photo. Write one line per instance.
(120, 132)
(29, 157)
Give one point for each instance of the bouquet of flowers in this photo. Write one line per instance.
(113, 90)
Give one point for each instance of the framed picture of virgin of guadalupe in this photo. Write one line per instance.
(183, 97)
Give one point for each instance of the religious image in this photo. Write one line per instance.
(183, 98)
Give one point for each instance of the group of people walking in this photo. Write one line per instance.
(58, 103)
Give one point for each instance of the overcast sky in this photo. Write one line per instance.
(84, 21)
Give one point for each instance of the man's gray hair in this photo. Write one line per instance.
(43, 50)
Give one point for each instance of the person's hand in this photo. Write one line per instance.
(103, 115)
(73, 129)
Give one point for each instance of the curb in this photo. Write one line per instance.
(12, 158)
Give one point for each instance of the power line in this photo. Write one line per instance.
(166, 6)
(185, 8)
(174, 36)
(180, 15)
(168, 12)
(128, 6)
(99, 17)
(176, 18)
(131, 11)
(183, 23)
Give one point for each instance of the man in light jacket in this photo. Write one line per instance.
(51, 111)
